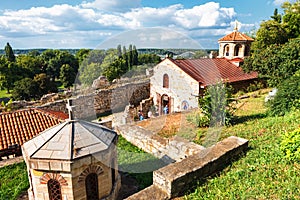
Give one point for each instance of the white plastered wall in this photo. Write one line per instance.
(182, 87)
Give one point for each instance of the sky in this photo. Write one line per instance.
(62, 24)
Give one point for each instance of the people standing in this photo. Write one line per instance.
(166, 109)
(140, 115)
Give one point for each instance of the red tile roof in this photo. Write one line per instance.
(19, 126)
(236, 36)
(208, 71)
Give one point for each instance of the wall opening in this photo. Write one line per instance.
(166, 81)
(237, 49)
(54, 190)
(91, 186)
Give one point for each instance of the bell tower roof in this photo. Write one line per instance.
(236, 36)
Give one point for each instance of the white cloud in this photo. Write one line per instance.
(68, 24)
(209, 14)
(113, 5)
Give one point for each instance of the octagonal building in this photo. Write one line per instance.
(73, 160)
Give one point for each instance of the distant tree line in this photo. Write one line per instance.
(34, 74)
(114, 63)
(30, 76)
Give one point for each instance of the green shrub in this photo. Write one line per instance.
(287, 97)
(290, 145)
(214, 107)
(198, 118)
(255, 86)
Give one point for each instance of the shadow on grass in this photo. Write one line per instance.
(243, 119)
(142, 171)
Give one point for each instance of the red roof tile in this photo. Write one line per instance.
(236, 36)
(208, 71)
(19, 126)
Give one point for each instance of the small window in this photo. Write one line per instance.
(166, 81)
(226, 50)
(91, 187)
(113, 171)
(237, 50)
(54, 190)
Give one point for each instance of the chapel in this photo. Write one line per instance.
(75, 159)
(177, 84)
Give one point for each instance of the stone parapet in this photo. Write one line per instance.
(175, 179)
(175, 148)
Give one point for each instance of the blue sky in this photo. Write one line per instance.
(145, 23)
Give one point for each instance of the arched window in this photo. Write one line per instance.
(226, 50)
(247, 50)
(237, 49)
(91, 187)
(54, 190)
(166, 81)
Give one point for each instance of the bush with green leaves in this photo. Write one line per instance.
(215, 108)
(288, 96)
(290, 145)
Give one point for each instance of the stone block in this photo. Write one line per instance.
(43, 165)
(56, 166)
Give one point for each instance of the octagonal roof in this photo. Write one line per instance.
(70, 140)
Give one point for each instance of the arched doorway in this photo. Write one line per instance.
(165, 104)
(91, 187)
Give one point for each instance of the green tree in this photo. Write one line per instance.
(67, 75)
(276, 17)
(24, 89)
(89, 73)
(148, 59)
(135, 55)
(119, 48)
(113, 67)
(9, 53)
(55, 59)
(125, 55)
(270, 32)
(200, 54)
(9, 73)
(44, 84)
(115, 70)
(276, 62)
(90, 68)
(82, 54)
(287, 97)
(130, 56)
(291, 18)
(30, 65)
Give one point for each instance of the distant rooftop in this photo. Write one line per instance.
(208, 71)
(20, 126)
(236, 36)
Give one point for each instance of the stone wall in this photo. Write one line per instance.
(168, 149)
(105, 101)
(175, 179)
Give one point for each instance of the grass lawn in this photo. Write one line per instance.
(262, 173)
(14, 180)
